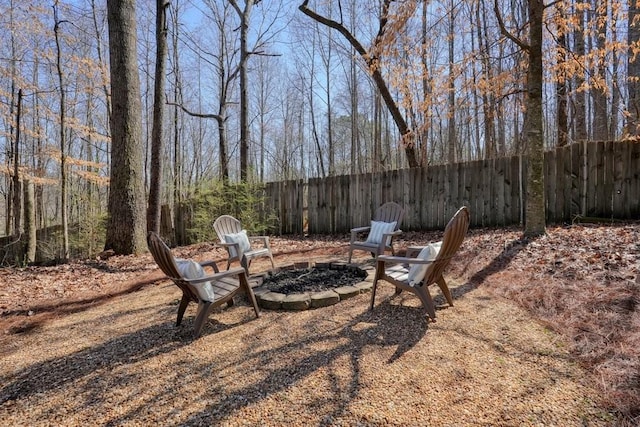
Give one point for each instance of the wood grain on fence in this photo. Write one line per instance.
(594, 179)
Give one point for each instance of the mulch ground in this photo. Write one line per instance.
(579, 281)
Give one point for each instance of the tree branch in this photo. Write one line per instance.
(505, 32)
(371, 59)
(336, 26)
(218, 117)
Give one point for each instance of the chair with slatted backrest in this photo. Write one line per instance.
(415, 273)
(385, 225)
(208, 290)
(240, 246)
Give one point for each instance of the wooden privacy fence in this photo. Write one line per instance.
(589, 179)
(286, 200)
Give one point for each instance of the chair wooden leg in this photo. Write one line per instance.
(247, 290)
(204, 307)
(445, 290)
(350, 254)
(427, 301)
(378, 276)
(184, 302)
(273, 265)
(373, 293)
(244, 262)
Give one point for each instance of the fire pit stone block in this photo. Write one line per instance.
(347, 291)
(296, 302)
(324, 299)
(271, 300)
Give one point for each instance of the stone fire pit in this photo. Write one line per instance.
(301, 286)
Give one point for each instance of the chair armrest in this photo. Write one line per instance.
(356, 231)
(391, 235)
(216, 276)
(211, 264)
(228, 246)
(225, 245)
(413, 251)
(402, 260)
(263, 239)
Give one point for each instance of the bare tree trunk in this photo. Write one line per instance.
(534, 131)
(356, 153)
(126, 228)
(562, 121)
(330, 142)
(355, 143)
(474, 143)
(488, 99)
(599, 90)
(426, 83)
(377, 133)
(178, 234)
(63, 151)
(244, 16)
(30, 227)
(223, 83)
(153, 208)
(262, 112)
(9, 225)
(314, 130)
(451, 122)
(535, 209)
(17, 193)
(580, 98)
(105, 79)
(615, 84)
(633, 70)
(38, 157)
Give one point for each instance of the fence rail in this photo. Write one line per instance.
(590, 179)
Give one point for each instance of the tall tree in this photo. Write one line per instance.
(561, 81)
(153, 208)
(372, 60)
(614, 125)
(63, 152)
(633, 70)
(326, 55)
(356, 160)
(598, 88)
(451, 125)
(30, 222)
(426, 79)
(10, 154)
(126, 228)
(580, 97)
(534, 132)
(244, 14)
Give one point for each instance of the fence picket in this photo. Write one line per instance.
(588, 178)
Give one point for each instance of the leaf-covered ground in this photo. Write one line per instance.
(580, 280)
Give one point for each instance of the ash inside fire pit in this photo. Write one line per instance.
(314, 279)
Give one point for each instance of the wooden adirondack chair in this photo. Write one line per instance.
(415, 273)
(224, 286)
(238, 244)
(380, 232)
